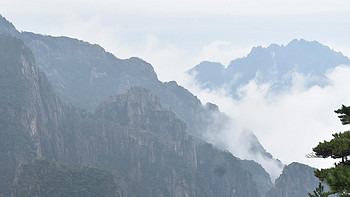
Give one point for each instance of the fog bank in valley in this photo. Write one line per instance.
(288, 123)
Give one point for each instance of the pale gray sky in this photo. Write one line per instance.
(176, 35)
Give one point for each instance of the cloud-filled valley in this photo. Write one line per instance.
(289, 123)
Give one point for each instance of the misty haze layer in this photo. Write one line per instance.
(284, 94)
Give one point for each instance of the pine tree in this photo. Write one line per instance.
(319, 192)
(344, 114)
(337, 177)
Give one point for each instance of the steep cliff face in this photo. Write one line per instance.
(139, 109)
(151, 147)
(29, 103)
(23, 114)
(224, 173)
(260, 176)
(296, 180)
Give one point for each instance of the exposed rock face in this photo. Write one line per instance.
(21, 108)
(147, 146)
(222, 170)
(260, 176)
(296, 180)
(151, 147)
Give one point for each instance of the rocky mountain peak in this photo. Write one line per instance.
(296, 180)
(128, 108)
(142, 67)
(7, 27)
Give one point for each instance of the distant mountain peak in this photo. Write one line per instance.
(207, 71)
(272, 63)
(297, 41)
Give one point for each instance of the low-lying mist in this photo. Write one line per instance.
(226, 134)
(288, 123)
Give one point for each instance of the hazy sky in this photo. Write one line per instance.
(176, 35)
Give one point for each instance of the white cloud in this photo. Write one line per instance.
(171, 61)
(168, 61)
(290, 124)
(240, 142)
(222, 51)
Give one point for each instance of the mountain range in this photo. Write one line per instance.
(86, 75)
(275, 64)
(113, 117)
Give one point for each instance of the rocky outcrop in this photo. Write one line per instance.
(224, 173)
(151, 148)
(260, 176)
(7, 28)
(20, 109)
(296, 180)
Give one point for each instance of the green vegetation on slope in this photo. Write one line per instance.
(43, 177)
